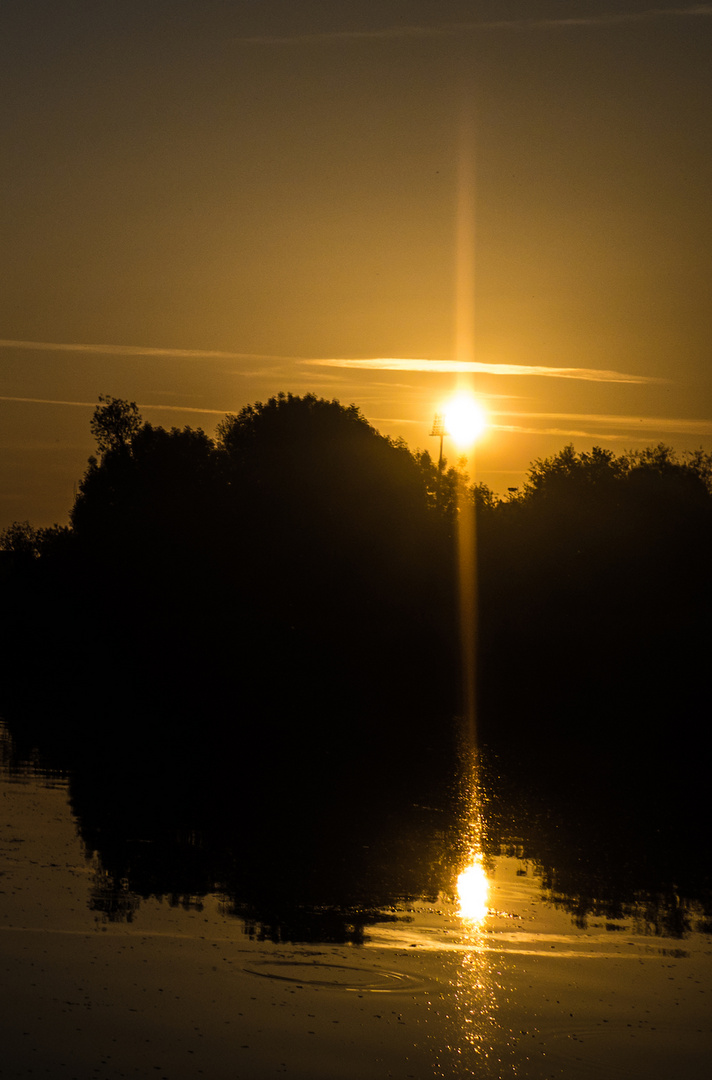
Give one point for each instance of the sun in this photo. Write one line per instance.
(465, 419)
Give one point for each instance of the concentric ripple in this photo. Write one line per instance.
(335, 976)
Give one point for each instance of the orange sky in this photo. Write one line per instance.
(206, 203)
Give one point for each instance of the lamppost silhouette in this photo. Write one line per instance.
(440, 429)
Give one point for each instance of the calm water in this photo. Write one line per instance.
(131, 948)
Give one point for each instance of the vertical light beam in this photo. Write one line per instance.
(465, 350)
(465, 241)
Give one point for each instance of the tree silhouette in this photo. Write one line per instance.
(299, 572)
(347, 555)
(596, 589)
(21, 539)
(114, 423)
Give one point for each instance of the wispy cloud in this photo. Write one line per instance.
(451, 29)
(633, 427)
(580, 425)
(564, 432)
(93, 405)
(646, 423)
(367, 364)
(445, 367)
(134, 350)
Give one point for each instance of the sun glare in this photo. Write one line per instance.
(465, 419)
(472, 891)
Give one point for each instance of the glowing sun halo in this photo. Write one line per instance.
(465, 419)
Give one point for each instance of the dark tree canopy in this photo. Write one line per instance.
(301, 565)
(114, 423)
(160, 488)
(322, 471)
(288, 422)
(318, 457)
(309, 543)
(21, 539)
(569, 474)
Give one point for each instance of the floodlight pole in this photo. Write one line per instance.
(439, 429)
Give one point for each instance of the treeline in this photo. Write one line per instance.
(597, 584)
(289, 589)
(267, 596)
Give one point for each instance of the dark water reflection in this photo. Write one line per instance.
(312, 850)
(221, 916)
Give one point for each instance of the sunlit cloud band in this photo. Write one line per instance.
(463, 367)
(442, 367)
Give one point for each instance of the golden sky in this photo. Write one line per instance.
(204, 203)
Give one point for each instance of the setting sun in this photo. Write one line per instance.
(465, 419)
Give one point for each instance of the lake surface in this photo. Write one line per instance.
(106, 975)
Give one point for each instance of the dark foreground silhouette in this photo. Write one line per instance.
(268, 622)
(302, 559)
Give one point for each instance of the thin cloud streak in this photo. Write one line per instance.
(566, 433)
(377, 364)
(643, 423)
(395, 33)
(93, 405)
(634, 425)
(134, 350)
(446, 367)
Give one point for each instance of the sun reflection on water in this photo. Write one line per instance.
(473, 892)
(478, 1043)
